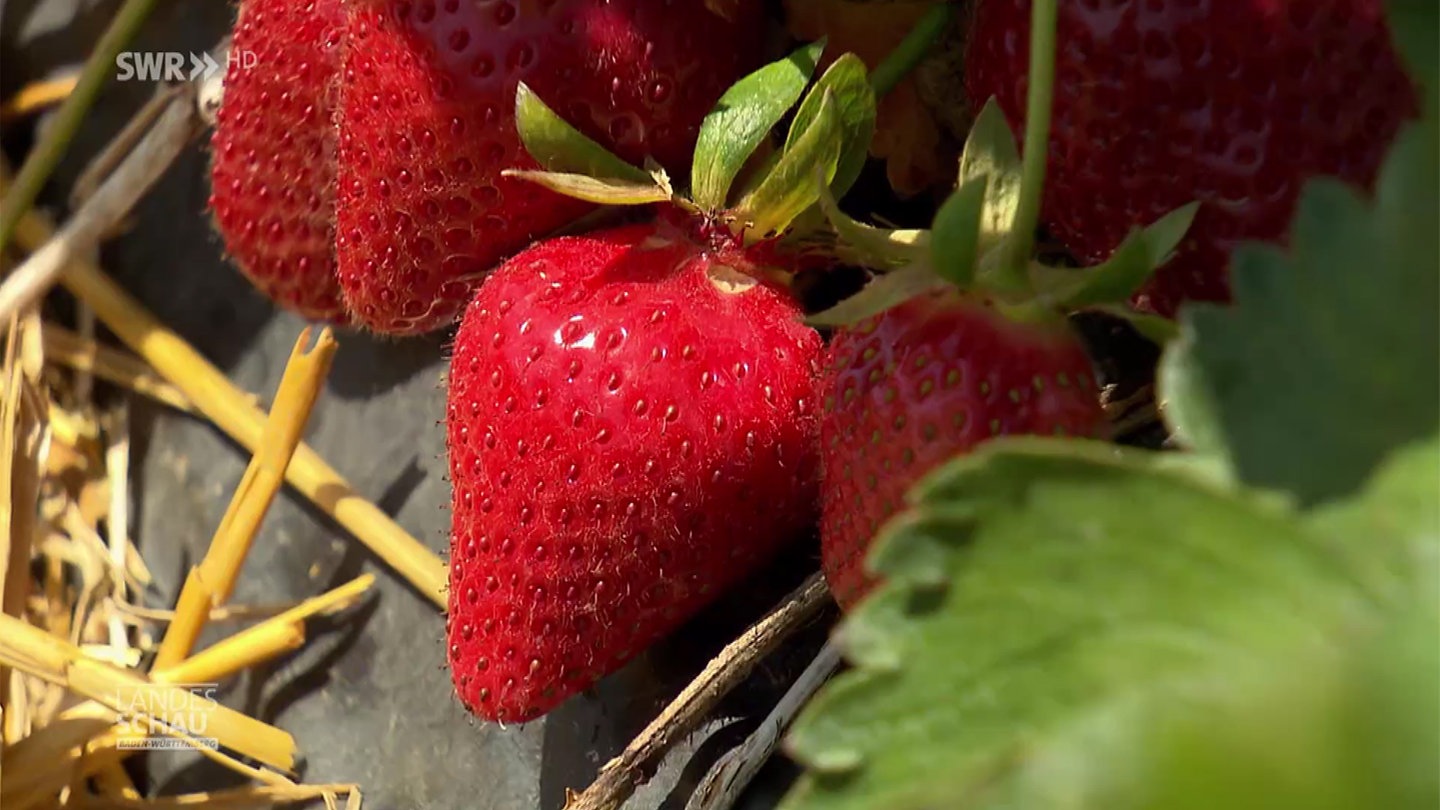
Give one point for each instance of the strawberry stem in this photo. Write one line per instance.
(1037, 136)
(913, 48)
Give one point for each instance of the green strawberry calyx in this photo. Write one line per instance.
(758, 193)
(982, 237)
(738, 180)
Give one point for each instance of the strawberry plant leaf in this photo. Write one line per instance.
(1050, 596)
(559, 147)
(956, 234)
(990, 153)
(867, 245)
(742, 118)
(1330, 356)
(595, 189)
(1389, 532)
(1415, 26)
(854, 100)
(882, 293)
(790, 188)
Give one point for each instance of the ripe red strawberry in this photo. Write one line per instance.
(1233, 103)
(632, 428)
(273, 153)
(427, 126)
(921, 383)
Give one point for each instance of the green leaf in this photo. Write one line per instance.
(1415, 26)
(741, 120)
(559, 147)
(990, 154)
(791, 186)
(1189, 412)
(1046, 592)
(867, 245)
(956, 234)
(1129, 267)
(1330, 356)
(854, 106)
(595, 189)
(882, 293)
(1392, 530)
(1344, 726)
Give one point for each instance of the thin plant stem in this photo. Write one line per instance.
(47, 154)
(1037, 134)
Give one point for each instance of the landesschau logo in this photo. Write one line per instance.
(175, 66)
(149, 718)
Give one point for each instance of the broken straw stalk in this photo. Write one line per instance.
(232, 411)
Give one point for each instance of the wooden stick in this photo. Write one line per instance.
(211, 582)
(621, 775)
(236, 414)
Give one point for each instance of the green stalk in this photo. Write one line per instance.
(47, 154)
(1037, 138)
(914, 47)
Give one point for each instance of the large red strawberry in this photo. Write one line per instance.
(632, 429)
(926, 380)
(427, 126)
(633, 424)
(1229, 102)
(273, 152)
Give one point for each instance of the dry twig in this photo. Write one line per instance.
(731, 774)
(621, 775)
(108, 206)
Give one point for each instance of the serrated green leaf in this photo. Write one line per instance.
(1329, 358)
(882, 293)
(1189, 411)
(791, 186)
(1415, 26)
(990, 153)
(1127, 269)
(595, 189)
(956, 235)
(1088, 585)
(559, 147)
(1391, 530)
(742, 118)
(868, 246)
(854, 99)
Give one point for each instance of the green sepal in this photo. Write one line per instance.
(990, 153)
(791, 186)
(742, 118)
(561, 148)
(848, 85)
(1127, 269)
(868, 246)
(1154, 328)
(882, 293)
(595, 189)
(957, 231)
